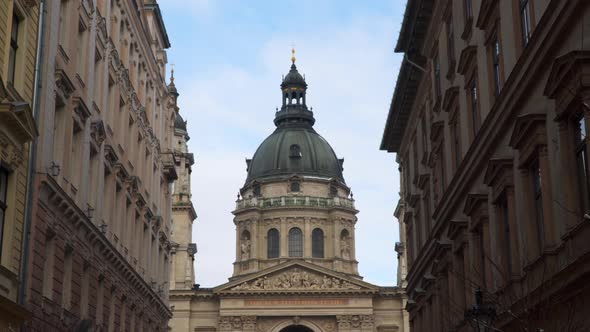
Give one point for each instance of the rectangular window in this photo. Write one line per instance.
(504, 238)
(424, 135)
(48, 266)
(100, 300)
(495, 48)
(3, 205)
(437, 88)
(456, 143)
(482, 257)
(12, 55)
(525, 20)
(85, 290)
(427, 214)
(63, 22)
(415, 161)
(82, 50)
(450, 43)
(443, 184)
(582, 164)
(538, 201)
(67, 278)
(419, 233)
(468, 6)
(474, 105)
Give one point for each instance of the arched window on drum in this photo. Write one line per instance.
(272, 243)
(295, 242)
(317, 243)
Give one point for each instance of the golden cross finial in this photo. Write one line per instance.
(293, 54)
(172, 72)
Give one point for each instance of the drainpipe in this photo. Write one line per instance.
(32, 158)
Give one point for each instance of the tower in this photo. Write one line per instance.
(183, 213)
(295, 203)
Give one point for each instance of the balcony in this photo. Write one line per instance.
(295, 201)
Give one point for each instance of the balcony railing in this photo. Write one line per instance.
(295, 201)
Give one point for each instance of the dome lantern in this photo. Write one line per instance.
(294, 107)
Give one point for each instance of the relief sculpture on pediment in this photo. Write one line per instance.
(295, 280)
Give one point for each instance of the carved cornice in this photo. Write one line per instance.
(436, 131)
(474, 202)
(499, 176)
(486, 14)
(467, 59)
(528, 135)
(450, 97)
(568, 81)
(455, 228)
(63, 85)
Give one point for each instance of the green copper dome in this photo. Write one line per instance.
(294, 150)
(179, 123)
(294, 147)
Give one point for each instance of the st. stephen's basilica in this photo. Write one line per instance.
(295, 267)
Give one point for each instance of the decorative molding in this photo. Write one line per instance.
(528, 135)
(466, 59)
(355, 321)
(450, 97)
(569, 78)
(97, 134)
(63, 85)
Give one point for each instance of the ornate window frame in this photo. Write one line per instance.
(476, 208)
(499, 176)
(569, 87)
(529, 137)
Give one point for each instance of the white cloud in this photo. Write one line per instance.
(350, 71)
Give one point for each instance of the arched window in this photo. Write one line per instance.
(317, 243)
(272, 243)
(295, 242)
(295, 186)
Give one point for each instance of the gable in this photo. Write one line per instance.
(296, 277)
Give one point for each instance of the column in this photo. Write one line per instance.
(551, 236)
(284, 239)
(514, 230)
(307, 238)
(571, 195)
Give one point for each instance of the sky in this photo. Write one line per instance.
(229, 56)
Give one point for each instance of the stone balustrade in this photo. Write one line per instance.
(294, 201)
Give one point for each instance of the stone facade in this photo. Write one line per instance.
(100, 248)
(489, 120)
(18, 47)
(295, 266)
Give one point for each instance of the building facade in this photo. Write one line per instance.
(182, 274)
(99, 257)
(295, 266)
(18, 48)
(488, 121)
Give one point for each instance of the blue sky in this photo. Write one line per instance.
(229, 56)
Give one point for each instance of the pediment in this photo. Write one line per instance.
(466, 59)
(17, 116)
(295, 277)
